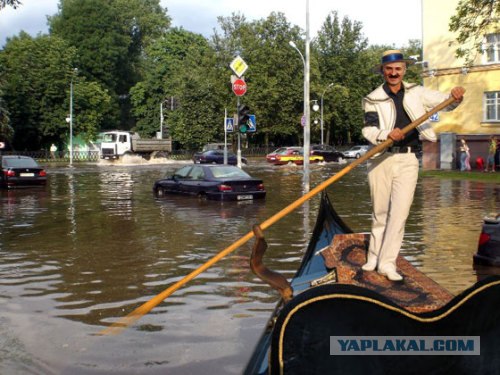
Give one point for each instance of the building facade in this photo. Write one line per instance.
(478, 117)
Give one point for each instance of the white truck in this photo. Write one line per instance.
(117, 143)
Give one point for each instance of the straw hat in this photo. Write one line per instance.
(392, 56)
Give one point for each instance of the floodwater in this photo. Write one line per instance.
(95, 244)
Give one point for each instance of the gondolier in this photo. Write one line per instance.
(393, 175)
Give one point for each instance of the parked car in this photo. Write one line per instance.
(488, 249)
(328, 152)
(356, 151)
(291, 155)
(21, 171)
(215, 182)
(216, 157)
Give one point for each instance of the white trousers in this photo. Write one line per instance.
(392, 179)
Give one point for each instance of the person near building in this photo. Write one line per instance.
(392, 176)
(53, 149)
(464, 156)
(492, 149)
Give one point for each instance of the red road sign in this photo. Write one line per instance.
(239, 87)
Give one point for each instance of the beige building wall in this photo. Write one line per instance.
(443, 71)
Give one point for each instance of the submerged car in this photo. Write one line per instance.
(216, 157)
(328, 152)
(356, 151)
(488, 249)
(293, 155)
(215, 182)
(21, 171)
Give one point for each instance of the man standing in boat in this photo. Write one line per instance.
(392, 176)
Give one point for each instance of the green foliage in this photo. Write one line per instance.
(472, 19)
(129, 62)
(35, 73)
(91, 107)
(6, 131)
(342, 59)
(179, 67)
(13, 3)
(110, 36)
(37, 78)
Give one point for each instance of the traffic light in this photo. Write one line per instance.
(243, 117)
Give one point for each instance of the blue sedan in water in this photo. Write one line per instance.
(216, 157)
(215, 182)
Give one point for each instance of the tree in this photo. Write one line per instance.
(35, 80)
(110, 37)
(36, 75)
(274, 77)
(342, 59)
(13, 3)
(6, 131)
(180, 65)
(472, 19)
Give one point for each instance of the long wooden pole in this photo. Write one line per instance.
(135, 315)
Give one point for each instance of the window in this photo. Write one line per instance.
(491, 48)
(183, 172)
(492, 106)
(197, 173)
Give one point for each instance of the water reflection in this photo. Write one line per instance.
(95, 243)
(453, 213)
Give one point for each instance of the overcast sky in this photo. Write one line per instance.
(381, 23)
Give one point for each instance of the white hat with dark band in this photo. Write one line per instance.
(392, 56)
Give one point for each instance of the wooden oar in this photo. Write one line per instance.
(153, 302)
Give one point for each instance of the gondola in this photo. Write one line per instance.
(330, 297)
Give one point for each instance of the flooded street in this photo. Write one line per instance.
(95, 244)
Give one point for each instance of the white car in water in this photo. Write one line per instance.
(356, 151)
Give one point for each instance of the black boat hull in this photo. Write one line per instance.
(297, 338)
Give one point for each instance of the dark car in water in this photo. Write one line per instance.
(21, 171)
(215, 182)
(216, 157)
(488, 249)
(328, 152)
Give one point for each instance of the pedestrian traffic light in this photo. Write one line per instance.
(243, 117)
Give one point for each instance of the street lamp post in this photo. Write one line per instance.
(307, 125)
(75, 71)
(321, 119)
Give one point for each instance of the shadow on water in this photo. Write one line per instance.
(95, 244)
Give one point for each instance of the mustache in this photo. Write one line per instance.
(394, 75)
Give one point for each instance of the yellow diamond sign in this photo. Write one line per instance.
(239, 66)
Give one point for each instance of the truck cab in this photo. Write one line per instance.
(115, 144)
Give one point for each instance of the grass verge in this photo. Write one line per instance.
(493, 177)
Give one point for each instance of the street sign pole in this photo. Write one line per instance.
(239, 67)
(225, 136)
(238, 153)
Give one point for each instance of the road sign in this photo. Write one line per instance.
(252, 124)
(239, 87)
(239, 66)
(229, 125)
